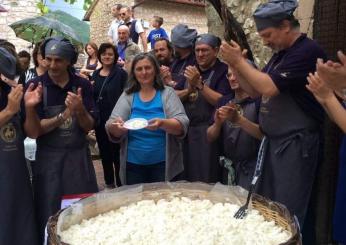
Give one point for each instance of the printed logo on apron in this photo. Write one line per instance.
(8, 133)
(263, 108)
(67, 124)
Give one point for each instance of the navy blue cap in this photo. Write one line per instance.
(271, 14)
(182, 36)
(59, 46)
(208, 39)
(7, 64)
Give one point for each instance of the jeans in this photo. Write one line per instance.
(137, 174)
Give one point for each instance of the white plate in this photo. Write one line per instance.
(136, 123)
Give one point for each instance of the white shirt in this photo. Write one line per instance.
(113, 30)
(138, 27)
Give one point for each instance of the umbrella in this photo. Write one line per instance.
(37, 28)
(80, 27)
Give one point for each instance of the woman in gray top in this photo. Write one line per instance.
(153, 153)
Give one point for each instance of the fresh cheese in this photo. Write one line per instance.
(181, 221)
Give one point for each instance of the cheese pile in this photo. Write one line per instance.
(181, 221)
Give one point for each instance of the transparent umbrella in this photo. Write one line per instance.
(37, 28)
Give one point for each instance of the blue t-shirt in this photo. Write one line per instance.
(156, 34)
(146, 146)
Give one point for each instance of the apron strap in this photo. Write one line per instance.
(45, 96)
(259, 162)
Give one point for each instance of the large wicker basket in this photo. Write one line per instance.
(104, 202)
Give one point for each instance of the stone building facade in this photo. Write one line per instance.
(16, 10)
(188, 12)
(243, 10)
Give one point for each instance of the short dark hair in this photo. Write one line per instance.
(103, 47)
(126, 7)
(134, 85)
(93, 45)
(12, 49)
(118, 6)
(24, 54)
(158, 19)
(35, 52)
(168, 43)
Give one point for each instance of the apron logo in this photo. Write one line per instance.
(193, 96)
(67, 123)
(8, 133)
(265, 99)
(284, 74)
(53, 47)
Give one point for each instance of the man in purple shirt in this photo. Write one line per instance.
(59, 117)
(289, 115)
(206, 83)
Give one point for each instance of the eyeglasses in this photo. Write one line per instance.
(122, 14)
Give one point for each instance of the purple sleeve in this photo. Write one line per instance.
(222, 86)
(294, 67)
(88, 100)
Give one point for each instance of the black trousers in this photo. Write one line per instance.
(109, 153)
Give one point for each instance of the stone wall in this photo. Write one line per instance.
(243, 10)
(172, 13)
(17, 10)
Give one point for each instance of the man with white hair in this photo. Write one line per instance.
(126, 47)
(135, 27)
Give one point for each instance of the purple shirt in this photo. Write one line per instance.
(289, 68)
(218, 78)
(57, 95)
(177, 70)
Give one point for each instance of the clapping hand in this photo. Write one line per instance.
(74, 102)
(166, 74)
(33, 96)
(14, 99)
(193, 76)
(231, 53)
(333, 73)
(319, 88)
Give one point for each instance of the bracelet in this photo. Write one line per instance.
(60, 117)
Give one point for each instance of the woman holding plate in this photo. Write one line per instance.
(149, 153)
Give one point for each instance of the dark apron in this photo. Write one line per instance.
(200, 156)
(240, 147)
(339, 222)
(292, 153)
(63, 165)
(17, 218)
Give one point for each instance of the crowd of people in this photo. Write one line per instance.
(208, 108)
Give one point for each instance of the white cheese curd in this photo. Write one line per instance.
(176, 222)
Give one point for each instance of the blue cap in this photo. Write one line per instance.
(7, 64)
(59, 46)
(271, 14)
(209, 39)
(182, 36)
